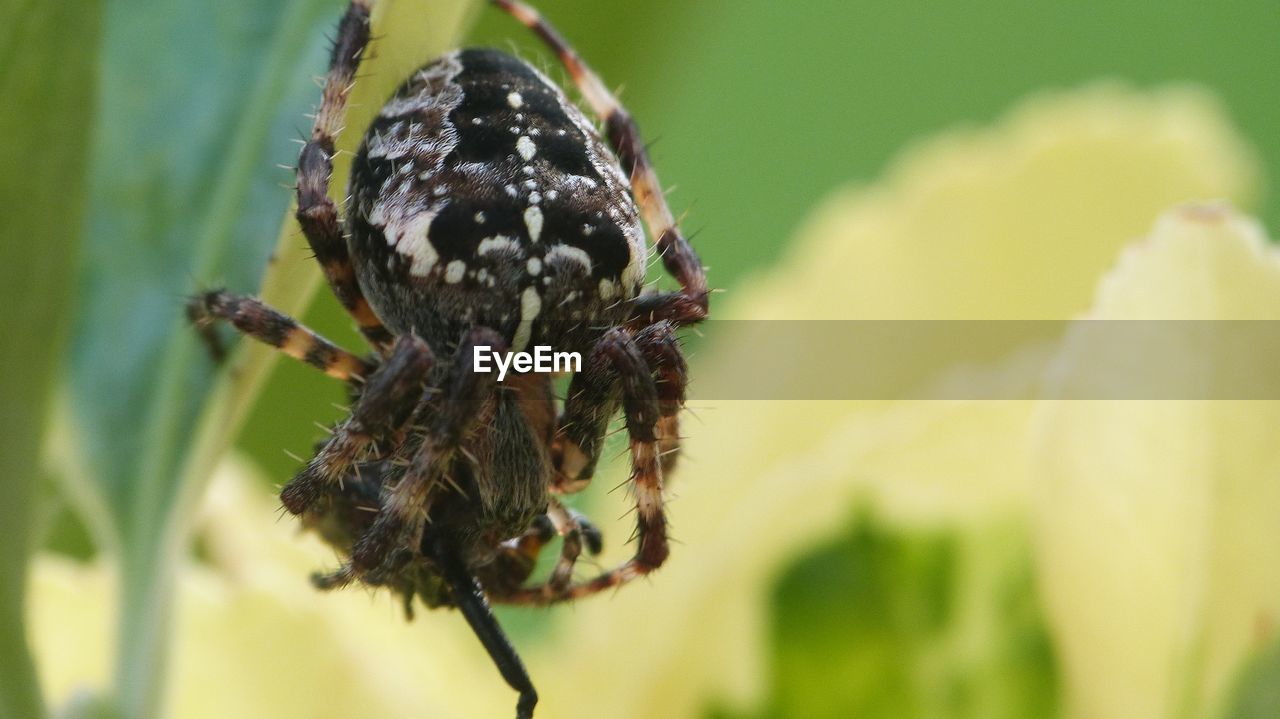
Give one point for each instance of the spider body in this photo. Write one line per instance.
(499, 487)
(482, 196)
(484, 211)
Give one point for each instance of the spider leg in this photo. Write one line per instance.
(390, 395)
(570, 528)
(661, 349)
(570, 548)
(591, 535)
(406, 504)
(469, 598)
(678, 256)
(574, 529)
(317, 213)
(619, 356)
(517, 557)
(593, 399)
(336, 579)
(268, 325)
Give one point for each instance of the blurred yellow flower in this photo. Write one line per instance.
(1158, 522)
(1156, 532)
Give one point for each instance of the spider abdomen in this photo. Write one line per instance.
(482, 196)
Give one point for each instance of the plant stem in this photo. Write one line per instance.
(19, 690)
(147, 575)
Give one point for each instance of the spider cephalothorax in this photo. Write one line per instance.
(485, 211)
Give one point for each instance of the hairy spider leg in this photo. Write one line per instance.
(593, 399)
(469, 598)
(270, 326)
(317, 213)
(616, 363)
(406, 504)
(661, 349)
(570, 530)
(678, 256)
(516, 558)
(389, 398)
(591, 535)
(574, 529)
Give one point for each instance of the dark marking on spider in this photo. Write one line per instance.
(484, 209)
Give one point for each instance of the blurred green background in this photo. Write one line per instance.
(755, 110)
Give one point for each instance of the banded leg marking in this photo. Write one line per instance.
(576, 532)
(594, 398)
(592, 402)
(641, 403)
(661, 349)
(384, 407)
(317, 213)
(270, 326)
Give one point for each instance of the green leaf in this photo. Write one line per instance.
(905, 623)
(1257, 695)
(47, 82)
(198, 105)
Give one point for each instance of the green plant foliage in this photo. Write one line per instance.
(47, 82)
(193, 104)
(889, 623)
(1258, 691)
(195, 100)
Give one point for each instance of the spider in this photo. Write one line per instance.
(484, 210)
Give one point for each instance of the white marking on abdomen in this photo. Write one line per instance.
(571, 254)
(454, 271)
(638, 257)
(530, 306)
(442, 75)
(526, 148)
(533, 221)
(498, 242)
(411, 239)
